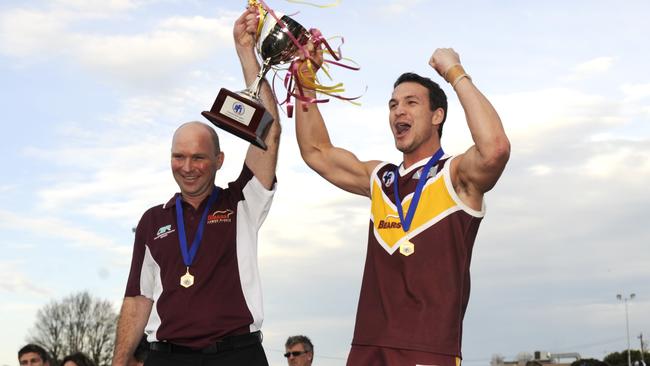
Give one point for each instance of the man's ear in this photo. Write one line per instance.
(220, 157)
(438, 116)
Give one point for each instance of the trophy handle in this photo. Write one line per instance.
(253, 91)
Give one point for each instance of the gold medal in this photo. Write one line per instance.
(187, 279)
(406, 248)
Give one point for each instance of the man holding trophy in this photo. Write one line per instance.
(194, 286)
(425, 214)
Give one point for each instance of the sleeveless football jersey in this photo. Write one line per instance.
(415, 297)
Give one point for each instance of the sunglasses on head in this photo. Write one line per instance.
(294, 353)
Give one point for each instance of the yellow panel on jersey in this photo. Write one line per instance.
(435, 204)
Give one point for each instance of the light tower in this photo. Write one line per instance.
(627, 323)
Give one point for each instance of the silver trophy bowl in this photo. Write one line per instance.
(275, 47)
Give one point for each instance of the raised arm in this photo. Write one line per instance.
(339, 166)
(478, 169)
(262, 163)
(130, 328)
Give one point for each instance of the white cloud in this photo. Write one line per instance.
(625, 163)
(51, 228)
(7, 188)
(173, 44)
(25, 32)
(98, 6)
(13, 280)
(544, 118)
(540, 169)
(636, 92)
(591, 68)
(154, 54)
(395, 8)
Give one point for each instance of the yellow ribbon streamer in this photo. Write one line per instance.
(308, 78)
(261, 12)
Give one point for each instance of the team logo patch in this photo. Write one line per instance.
(220, 217)
(163, 232)
(388, 178)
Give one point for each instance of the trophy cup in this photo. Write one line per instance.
(243, 113)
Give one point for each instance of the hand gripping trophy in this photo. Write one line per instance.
(280, 40)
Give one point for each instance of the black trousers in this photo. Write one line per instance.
(252, 355)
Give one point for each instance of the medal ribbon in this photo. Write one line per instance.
(406, 222)
(189, 254)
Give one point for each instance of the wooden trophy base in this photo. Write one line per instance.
(241, 116)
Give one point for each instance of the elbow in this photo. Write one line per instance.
(272, 137)
(309, 157)
(499, 153)
(313, 157)
(276, 131)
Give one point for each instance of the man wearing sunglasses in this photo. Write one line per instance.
(300, 351)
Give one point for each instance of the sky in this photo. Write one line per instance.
(92, 90)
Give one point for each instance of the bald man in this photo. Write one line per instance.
(194, 285)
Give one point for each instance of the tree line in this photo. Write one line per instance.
(83, 323)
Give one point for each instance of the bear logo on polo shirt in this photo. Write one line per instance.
(163, 231)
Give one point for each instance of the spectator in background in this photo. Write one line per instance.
(33, 355)
(300, 351)
(77, 359)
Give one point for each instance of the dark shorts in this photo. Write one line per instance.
(252, 355)
(383, 356)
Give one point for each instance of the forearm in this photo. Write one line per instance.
(311, 132)
(262, 162)
(484, 123)
(250, 69)
(130, 328)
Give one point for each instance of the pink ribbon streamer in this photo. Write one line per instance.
(292, 75)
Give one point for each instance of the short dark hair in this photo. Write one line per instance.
(35, 348)
(293, 340)
(79, 358)
(437, 97)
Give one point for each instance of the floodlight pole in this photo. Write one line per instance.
(627, 324)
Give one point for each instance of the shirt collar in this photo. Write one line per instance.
(172, 201)
(419, 164)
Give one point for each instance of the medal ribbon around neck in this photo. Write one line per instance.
(190, 253)
(406, 222)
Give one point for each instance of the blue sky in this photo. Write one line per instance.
(92, 91)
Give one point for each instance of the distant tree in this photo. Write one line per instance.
(497, 360)
(78, 323)
(523, 357)
(620, 358)
(589, 362)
